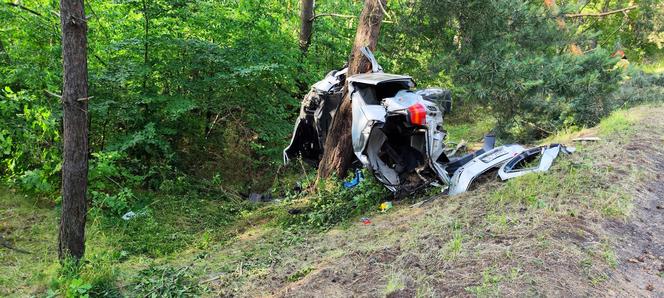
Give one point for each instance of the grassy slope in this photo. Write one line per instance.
(31, 227)
(539, 234)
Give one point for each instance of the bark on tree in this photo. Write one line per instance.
(75, 129)
(306, 24)
(338, 153)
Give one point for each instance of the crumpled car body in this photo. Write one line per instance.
(316, 113)
(397, 132)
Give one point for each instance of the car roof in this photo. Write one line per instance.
(377, 78)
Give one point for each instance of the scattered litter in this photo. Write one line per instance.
(131, 214)
(259, 198)
(297, 188)
(650, 287)
(365, 220)
(294, 211)
(586, 139)
(385, 206)
(356, 180)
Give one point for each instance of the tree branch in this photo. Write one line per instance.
(53, 94)
(601, 14)
(4, 243)
(339, 16)
(24, 8)
(332, 15)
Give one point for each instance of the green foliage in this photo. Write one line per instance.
(300, 274)
(332, 203)
(513, 57)
(29, 151)
(211, 88)
(166, 282)
(639, 87)
(69, 283)
(638, 32)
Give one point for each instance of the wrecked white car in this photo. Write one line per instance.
(397, 133)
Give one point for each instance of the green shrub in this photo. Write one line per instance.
(29, 142)
(332, 203)
(166, 282)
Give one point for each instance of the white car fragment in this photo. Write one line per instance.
(514, 167)
(479, 165)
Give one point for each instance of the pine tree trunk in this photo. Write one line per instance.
(75, 130)
(306, 24)
(338, 153)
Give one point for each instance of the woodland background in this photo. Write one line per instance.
(194, 101)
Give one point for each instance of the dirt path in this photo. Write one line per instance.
(640, 239)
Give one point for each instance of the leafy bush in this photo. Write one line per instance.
(639, 87)
(166, 282)
(332, 203)
(29, 142)
(517, 59)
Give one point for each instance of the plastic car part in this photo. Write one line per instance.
(453, 164)
(493, 158)
(514, 167)
(316, 113)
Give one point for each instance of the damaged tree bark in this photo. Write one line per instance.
(75, 129)
(338, 153)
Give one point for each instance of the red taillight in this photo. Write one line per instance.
(417, 114)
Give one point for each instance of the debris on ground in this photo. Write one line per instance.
(356, 180)
(518, 165)
(129, 215)
(6, 244)
(586, 139)
(385, 206)
(453, 151)
(365, 220)
(260, 198)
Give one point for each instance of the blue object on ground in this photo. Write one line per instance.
(356, 180)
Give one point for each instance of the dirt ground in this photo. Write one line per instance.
(640, 239)
(593, 226)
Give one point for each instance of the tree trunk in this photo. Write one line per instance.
(75, 129)
(306, 24)
(338, 153)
